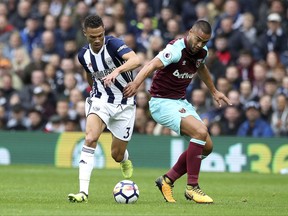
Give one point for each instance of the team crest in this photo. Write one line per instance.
(198, 62)
(109, 61)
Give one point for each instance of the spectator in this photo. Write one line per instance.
(236, 38)
(31, 33)
(279, 119)
(26, 94)
(6, 29)
(248, 28)
(260, 74)
(141, 119)
(144, 35)
(55, 124)
(245, 63)
(40, 101)
(283, 89)
(231, 120)
(215, 65)
(50, 46)
(65, 32)
(221, 49)
(198, 100)
(20, 60)
(18, 19)
(37, 123)
(254, 126)
(71, 123)
(265, 103)
(233, 77)
(7, 89)
(246, 93)
(173, 30)
(215, 128)
(80, 110)
(36, 63)
(166, 14)
(215, 9)
(231, 9)
(18, 120)
(270, 88)
(273, 39)
(188, 13)
(14, 42)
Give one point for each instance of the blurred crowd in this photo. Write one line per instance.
(43, 88)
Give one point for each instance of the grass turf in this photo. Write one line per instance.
(42, 190)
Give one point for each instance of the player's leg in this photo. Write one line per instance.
(208, 147)
(164, 111)
(120, 154)
(198, 132)
(94, 128)
(122, 128)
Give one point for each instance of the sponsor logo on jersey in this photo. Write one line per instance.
(124, 46)
(101, 74)
(179, 75)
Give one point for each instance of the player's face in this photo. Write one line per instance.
(95, 37)
(197, 39)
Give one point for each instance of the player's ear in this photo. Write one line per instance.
(84, 32)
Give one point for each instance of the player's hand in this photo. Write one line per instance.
(130, 89)
(219, 96)
(110, 78)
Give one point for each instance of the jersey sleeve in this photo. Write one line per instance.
(205, 47)
(81, 58)
(119, 47)
(169, 55)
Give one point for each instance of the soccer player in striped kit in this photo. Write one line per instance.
(174, 68)
(108, 63)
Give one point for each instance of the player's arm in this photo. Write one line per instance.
(205, 76)
(132, 62)
(131, 88)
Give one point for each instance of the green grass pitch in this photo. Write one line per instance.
(42, 190)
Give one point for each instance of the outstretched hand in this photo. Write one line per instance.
(110, 78)
(130, 89)
(219, 96)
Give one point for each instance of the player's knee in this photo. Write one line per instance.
(90, 140)
(207, 150)
(201, 133)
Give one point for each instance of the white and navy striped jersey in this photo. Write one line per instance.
(101, 64)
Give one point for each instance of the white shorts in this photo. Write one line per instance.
(119, 118)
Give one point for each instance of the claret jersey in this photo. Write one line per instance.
(101, 64)
(180, 65)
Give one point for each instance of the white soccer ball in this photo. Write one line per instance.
(126, 191)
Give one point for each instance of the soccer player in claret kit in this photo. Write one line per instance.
(174, 68)
(108, 63)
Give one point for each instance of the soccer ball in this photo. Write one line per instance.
(126, 191)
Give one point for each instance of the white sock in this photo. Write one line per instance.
(86, 165)
(126, 156)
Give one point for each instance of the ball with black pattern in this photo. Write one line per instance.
(126, 192)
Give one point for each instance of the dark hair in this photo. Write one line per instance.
(203, 25)
(93, 21)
